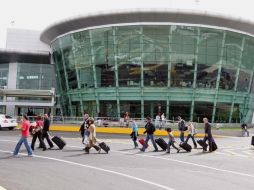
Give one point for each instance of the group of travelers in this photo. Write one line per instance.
(39, 129)
(182, 126)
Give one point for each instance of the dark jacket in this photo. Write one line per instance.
(150, 128)
(46, 124)
(208, 129)
(83, 127)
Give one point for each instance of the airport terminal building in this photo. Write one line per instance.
(27, 77)
(147, 62)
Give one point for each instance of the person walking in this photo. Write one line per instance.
(171, 141)
(191, 133)
(25, 125)
(163, 121)
(149, 129)
(181, 127)
(45, 130)
(83, 127)
(134, 133)
(208, 134)
(37, 132)
(92, 136)
(245, 130)
(126, 119)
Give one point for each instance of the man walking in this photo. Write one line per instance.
(149, 129)
(25, 125)
(181, 127)
(208, 134)
(45, 130)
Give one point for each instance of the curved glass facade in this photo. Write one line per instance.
(190, 71)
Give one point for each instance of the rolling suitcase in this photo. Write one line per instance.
(142, 142)
(213, 146)
(202, 144)
(185, 146)
(252, 140)
(161, 143)
(59, 142)
(104, 147)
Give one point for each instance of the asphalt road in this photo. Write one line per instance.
(230, 167)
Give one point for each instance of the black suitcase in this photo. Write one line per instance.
(59, 142)
(104, 147)
(185, 146)
(252, 140)
(213, 147)
(202, 144)
(161, 143)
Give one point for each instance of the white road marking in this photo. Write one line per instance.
(179, 161)
(190, 163)
(98, 169)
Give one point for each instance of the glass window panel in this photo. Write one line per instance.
(227, 78)
(129, 74)
(243, 81)
(4, 71)
(132, 107)
(236, 116)
(155, 75)
(35, 76)
(108, 108)
(182, 74)
(179, 109)
(222, 113)
(105, 75)
(153, 108)
(201, 110)
(206, 76)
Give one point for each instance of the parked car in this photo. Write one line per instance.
(7, 121)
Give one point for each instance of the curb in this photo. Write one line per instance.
(118, 130)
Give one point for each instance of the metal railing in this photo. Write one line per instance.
(119, 122)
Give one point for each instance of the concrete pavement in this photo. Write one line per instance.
(231, 167)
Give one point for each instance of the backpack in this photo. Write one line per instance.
(181, 126)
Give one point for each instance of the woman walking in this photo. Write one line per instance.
(92, 136)
(134, 133)
(37, 132)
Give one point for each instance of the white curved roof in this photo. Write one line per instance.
(146, 15)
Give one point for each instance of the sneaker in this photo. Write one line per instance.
(156, 150)
(99, 151)
(178, 150)
(51, 147)
(44, 149)
(168, 152)
(142, 150)
(195, 147)
(30, 155)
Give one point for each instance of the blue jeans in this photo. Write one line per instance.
(148, 136)
(182, 136)
(28, 148)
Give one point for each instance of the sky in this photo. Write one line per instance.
(39, 14)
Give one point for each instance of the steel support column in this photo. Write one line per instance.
(218, 76)
(236, 80)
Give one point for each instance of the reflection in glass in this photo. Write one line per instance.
(182, 74)
(179, 109)
(243, 81)
(153, 108)
(222, 113)
(201, 110)
(132, 107)
(129, 75)
(206, 76)
(155, 75)
(227, 78)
